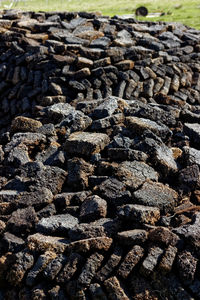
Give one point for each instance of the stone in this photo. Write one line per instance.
(93, 208)
(114, 289)
(56, 225)
(151, 261)
(86, 143)
(190, 176)
(23, 124)
(131, 259)
(164, 236)
(139, 213)
(28, 139)
(102, 42)
(132, 237)
(157, 195)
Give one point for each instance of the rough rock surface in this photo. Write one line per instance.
(99, 158)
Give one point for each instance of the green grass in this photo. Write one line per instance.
(188, 13)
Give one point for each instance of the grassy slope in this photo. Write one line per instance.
(188, 13)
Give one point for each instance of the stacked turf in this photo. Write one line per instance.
(100, 157)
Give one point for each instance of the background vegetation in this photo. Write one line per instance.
(184, 11)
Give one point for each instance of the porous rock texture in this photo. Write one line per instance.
(99, 158)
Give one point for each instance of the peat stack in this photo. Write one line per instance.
(99, 158)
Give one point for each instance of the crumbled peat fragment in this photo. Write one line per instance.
(99, 158)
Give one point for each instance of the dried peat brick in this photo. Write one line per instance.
(86, 143)
(110, 265)
(130, 261)
(99, 157)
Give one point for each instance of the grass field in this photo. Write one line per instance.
(183, 11)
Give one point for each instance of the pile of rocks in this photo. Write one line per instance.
(99, 158)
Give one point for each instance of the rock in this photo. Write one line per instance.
(130, 261)
(86, 143)
(157, 195)
(93, 208)
(139, 213)
(56, 225)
